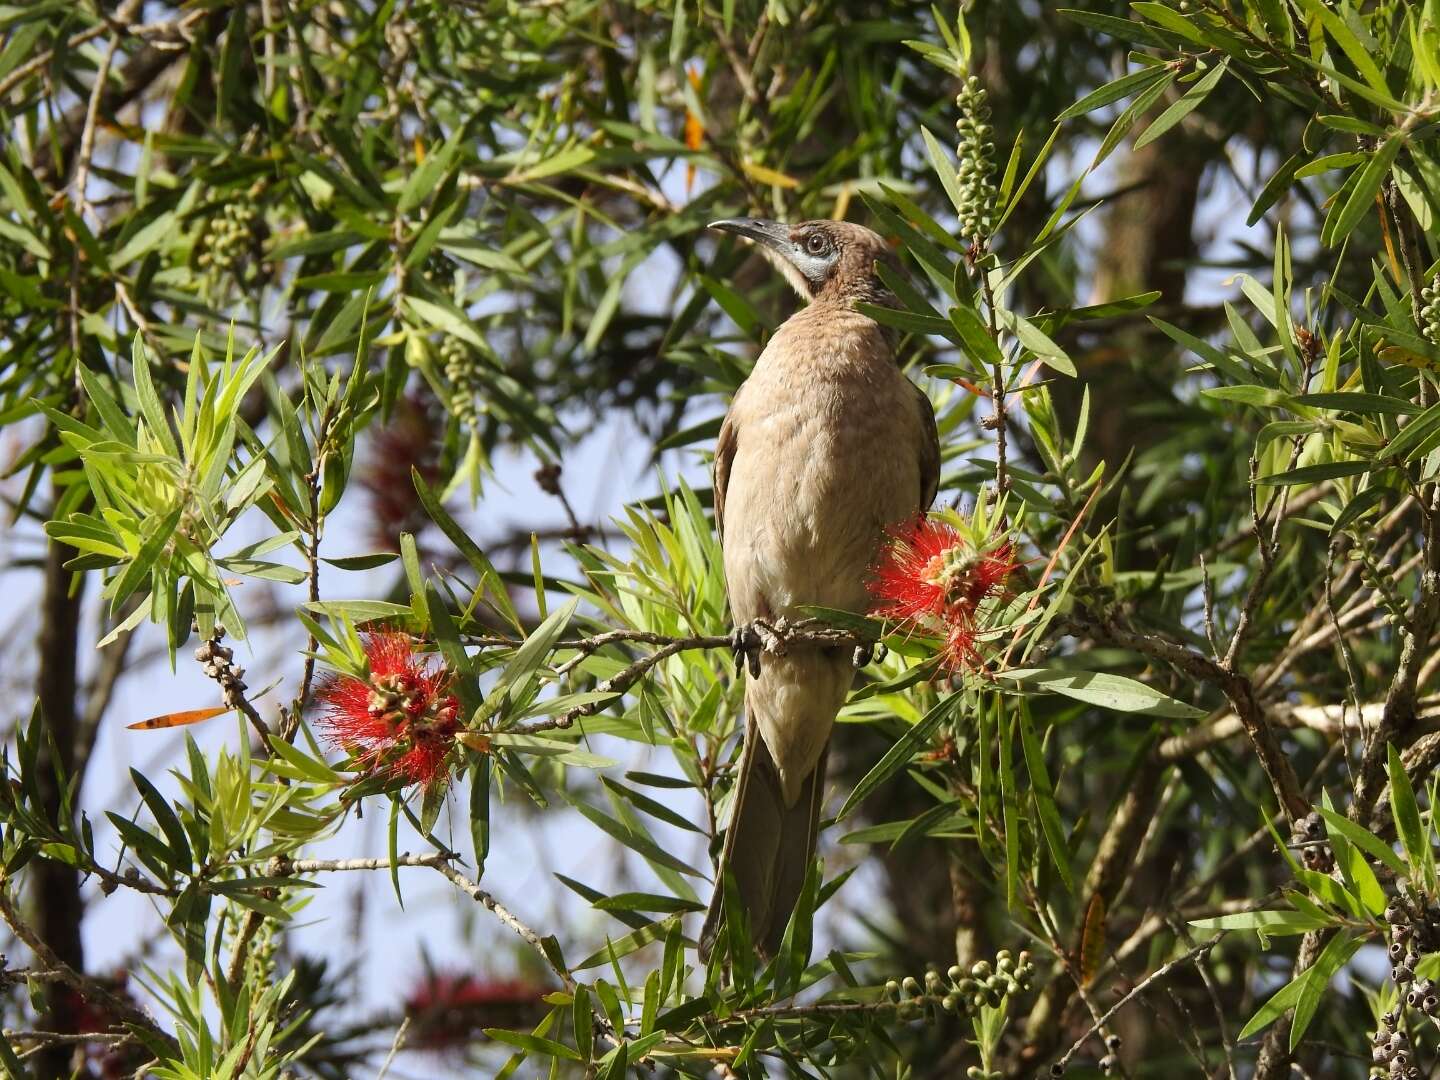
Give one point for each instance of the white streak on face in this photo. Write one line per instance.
(805, 272)
(789, 271)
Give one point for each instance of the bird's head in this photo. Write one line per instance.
(823, 260)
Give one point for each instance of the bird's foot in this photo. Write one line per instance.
(867, 652)
(756, 637)
(745, 644)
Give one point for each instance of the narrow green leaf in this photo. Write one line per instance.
(976, 335)
(1104, 689)
(532, 1044)
(1044, 793)
(628, 944)
(1407, 822)
(1356, 402)
(944, 168)
(1364, 839)
(1366, 184)
(1182, 108)
(165, 817)
(1272, 923)
(1113, 91)
(1336, 955)
(1413, 436)
(1314, 474)
(899, 755)
(1049, 353)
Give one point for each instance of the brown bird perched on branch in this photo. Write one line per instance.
(826, 444)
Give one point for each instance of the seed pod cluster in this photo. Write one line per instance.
(985, 985)
(976, 156)
(1310, 831)
(1380, 578)
(1391, 1054)
(233, 243)
(217, 663)
(1414, 930)
(1430, 311)
(460, 363)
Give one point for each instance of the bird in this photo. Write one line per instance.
(826, 446)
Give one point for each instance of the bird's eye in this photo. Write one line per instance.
(816, 244)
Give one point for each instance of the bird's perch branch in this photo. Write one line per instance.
(774, 639)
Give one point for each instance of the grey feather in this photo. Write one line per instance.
(768, 848)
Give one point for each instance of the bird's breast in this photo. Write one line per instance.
(828, 457)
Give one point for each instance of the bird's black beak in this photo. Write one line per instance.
(805, 273)
(774, 235)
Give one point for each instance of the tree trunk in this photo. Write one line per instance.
(57, 905)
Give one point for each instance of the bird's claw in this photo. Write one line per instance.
(868, 652)
(755, 637)
(745, 644)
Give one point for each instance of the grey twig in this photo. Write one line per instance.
(1139, 988)
(506, 916)
(774, 640)
(87, 137)
(86, 987)
(319, 866)
(395, 1046)
(217, 662)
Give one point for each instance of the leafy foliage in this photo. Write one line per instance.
(259, 261)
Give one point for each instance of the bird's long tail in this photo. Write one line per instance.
(768, 847)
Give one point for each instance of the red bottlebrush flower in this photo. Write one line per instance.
(402, 720)
(448, 1009)
(930, 576)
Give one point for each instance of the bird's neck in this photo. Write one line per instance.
(849, 292)
(828, 341)
(844, 298)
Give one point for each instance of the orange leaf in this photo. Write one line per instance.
(1092, 941)
(177, 719)
(694, 129)
(974, 388)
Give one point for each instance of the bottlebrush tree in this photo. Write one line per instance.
(297, 300)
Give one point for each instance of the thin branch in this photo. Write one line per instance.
(773, 639)
(395, 1046)
(1328, 720)
(1237, 688)
(548, 477)
(1139, 988)
(315, 528)
(91, 989)
(506, 916)
(217, 662)
(320, 866)
(87, 137)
